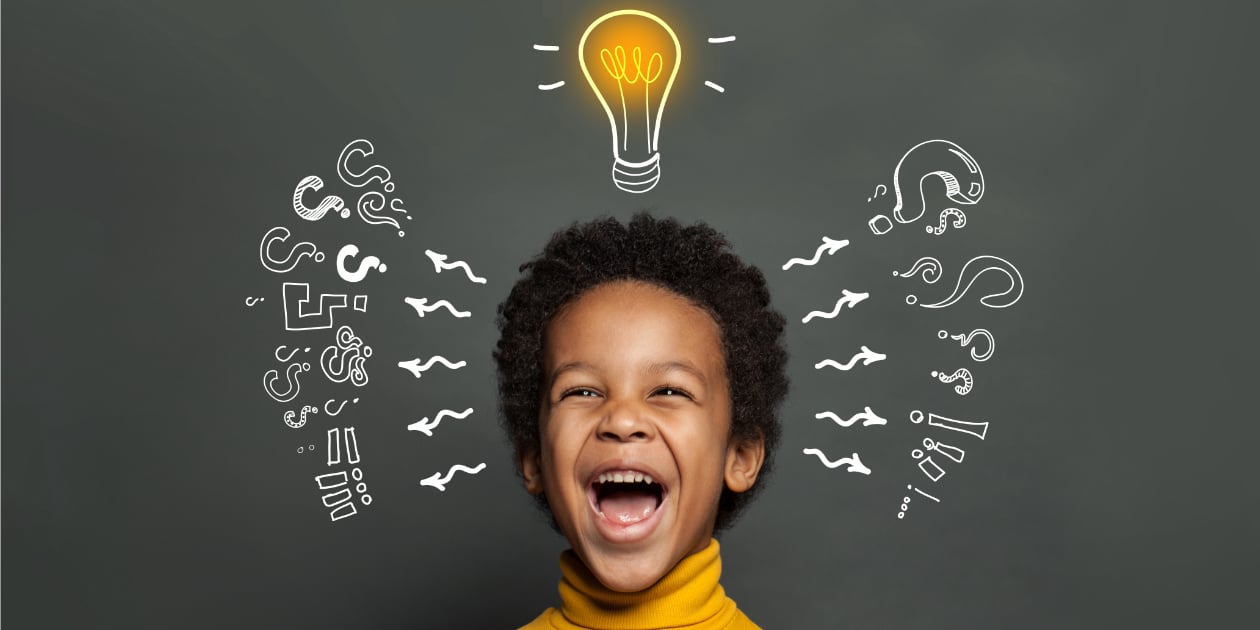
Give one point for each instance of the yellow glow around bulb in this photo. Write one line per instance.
(636, 51)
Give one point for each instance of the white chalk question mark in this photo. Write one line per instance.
(331, 202)
(367, 264)
(280, 234)
(971, 271)
(369, 205)
(362, 178)
(932, 159)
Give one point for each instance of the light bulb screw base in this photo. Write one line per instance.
(637, 177)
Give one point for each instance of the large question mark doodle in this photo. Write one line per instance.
(878, 192)
(965, 340)
(330, 203)
(963, 374)
(369, 205)
(289, 417)
(928, 266)
(978, 429)
(934, 158)
(974, 269)
(297, 307)
(905, 501)
(280, 234)
(395, 205)
(367, 264)
(362, 178)
(250, 301)
(291, 376)
(344, 359)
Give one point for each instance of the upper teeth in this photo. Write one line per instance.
(624, 478)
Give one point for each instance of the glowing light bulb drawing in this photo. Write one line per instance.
(630, 59)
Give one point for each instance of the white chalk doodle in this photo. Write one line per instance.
(866, 356)
(422, 306)
(974, 269)
(436, 480)
(715, 87)
(297, 307)
(978, 429)
(426, 426)
(440, 264)
(934, 158)
(632, 85)
(550, 86)
(905, 501)
(928, 465)
(854, 463)
(849, 299)
(336, 437)
(360, 303)
(345, 359)
(304, 449)
(928, 266)
(331, 480)
(546, 47)
(342, 511)
(879, 190)
(369, 207)
(293, 421)
(356, 150)
(965, 340)
(250, 301)
(367, 264)
(722, 40)
(334, 498)
(962, 374)
(330, 401)
(291, 380)
(829, 246)
(959, 221)
(866, 417)
(414, 366)
(952, 452)
(280, 349)
(280, 234)
(331, 203)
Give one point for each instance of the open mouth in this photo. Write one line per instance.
(626, 497)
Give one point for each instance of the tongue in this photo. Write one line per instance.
(627, 506)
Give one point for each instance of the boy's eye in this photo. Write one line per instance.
(671, 391)
(580, 391)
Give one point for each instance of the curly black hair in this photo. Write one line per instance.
(691, 261)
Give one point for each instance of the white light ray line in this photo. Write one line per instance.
(546, 47)
(550, 86)
(715, 86)
(721, 40)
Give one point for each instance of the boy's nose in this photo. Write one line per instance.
(626, 422)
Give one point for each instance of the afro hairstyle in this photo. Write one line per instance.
(691, 261)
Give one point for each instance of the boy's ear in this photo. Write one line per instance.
(531, 469)
(743, 462)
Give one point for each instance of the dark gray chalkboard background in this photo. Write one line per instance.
(149, 482)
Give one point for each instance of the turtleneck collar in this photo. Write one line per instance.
(689, 596)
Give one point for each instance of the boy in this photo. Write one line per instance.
(640, 369)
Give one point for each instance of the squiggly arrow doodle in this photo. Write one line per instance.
(866, 356)
(854, 462)
(436, 480)
(422, 306)
(427, 426)
(850, 299)
(439, 263)
(416, 368)
(829, 246)
(867, 417)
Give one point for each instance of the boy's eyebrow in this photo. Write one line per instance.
(655, 368)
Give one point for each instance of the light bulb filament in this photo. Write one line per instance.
(615, 64)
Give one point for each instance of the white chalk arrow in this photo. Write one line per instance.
(439, 263)
(426, 426)
(866, 356)
(854, 462)
(414, 366)
(422, 306)
(850, 299)
(867, 417)
(436, 480)
(829, 246)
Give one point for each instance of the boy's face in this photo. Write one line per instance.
(635, 384)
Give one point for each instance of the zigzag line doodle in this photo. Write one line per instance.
(866, 356)
(436, 480)
(829, 246)
(422, 306)
(439, 263)
(850, 299)
(416, 368)
(854, 462)
(962, 388)
(867, 417)
(426, 426)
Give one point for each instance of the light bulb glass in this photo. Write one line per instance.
(630, 59)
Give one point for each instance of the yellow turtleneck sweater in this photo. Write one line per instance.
(689, 596)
